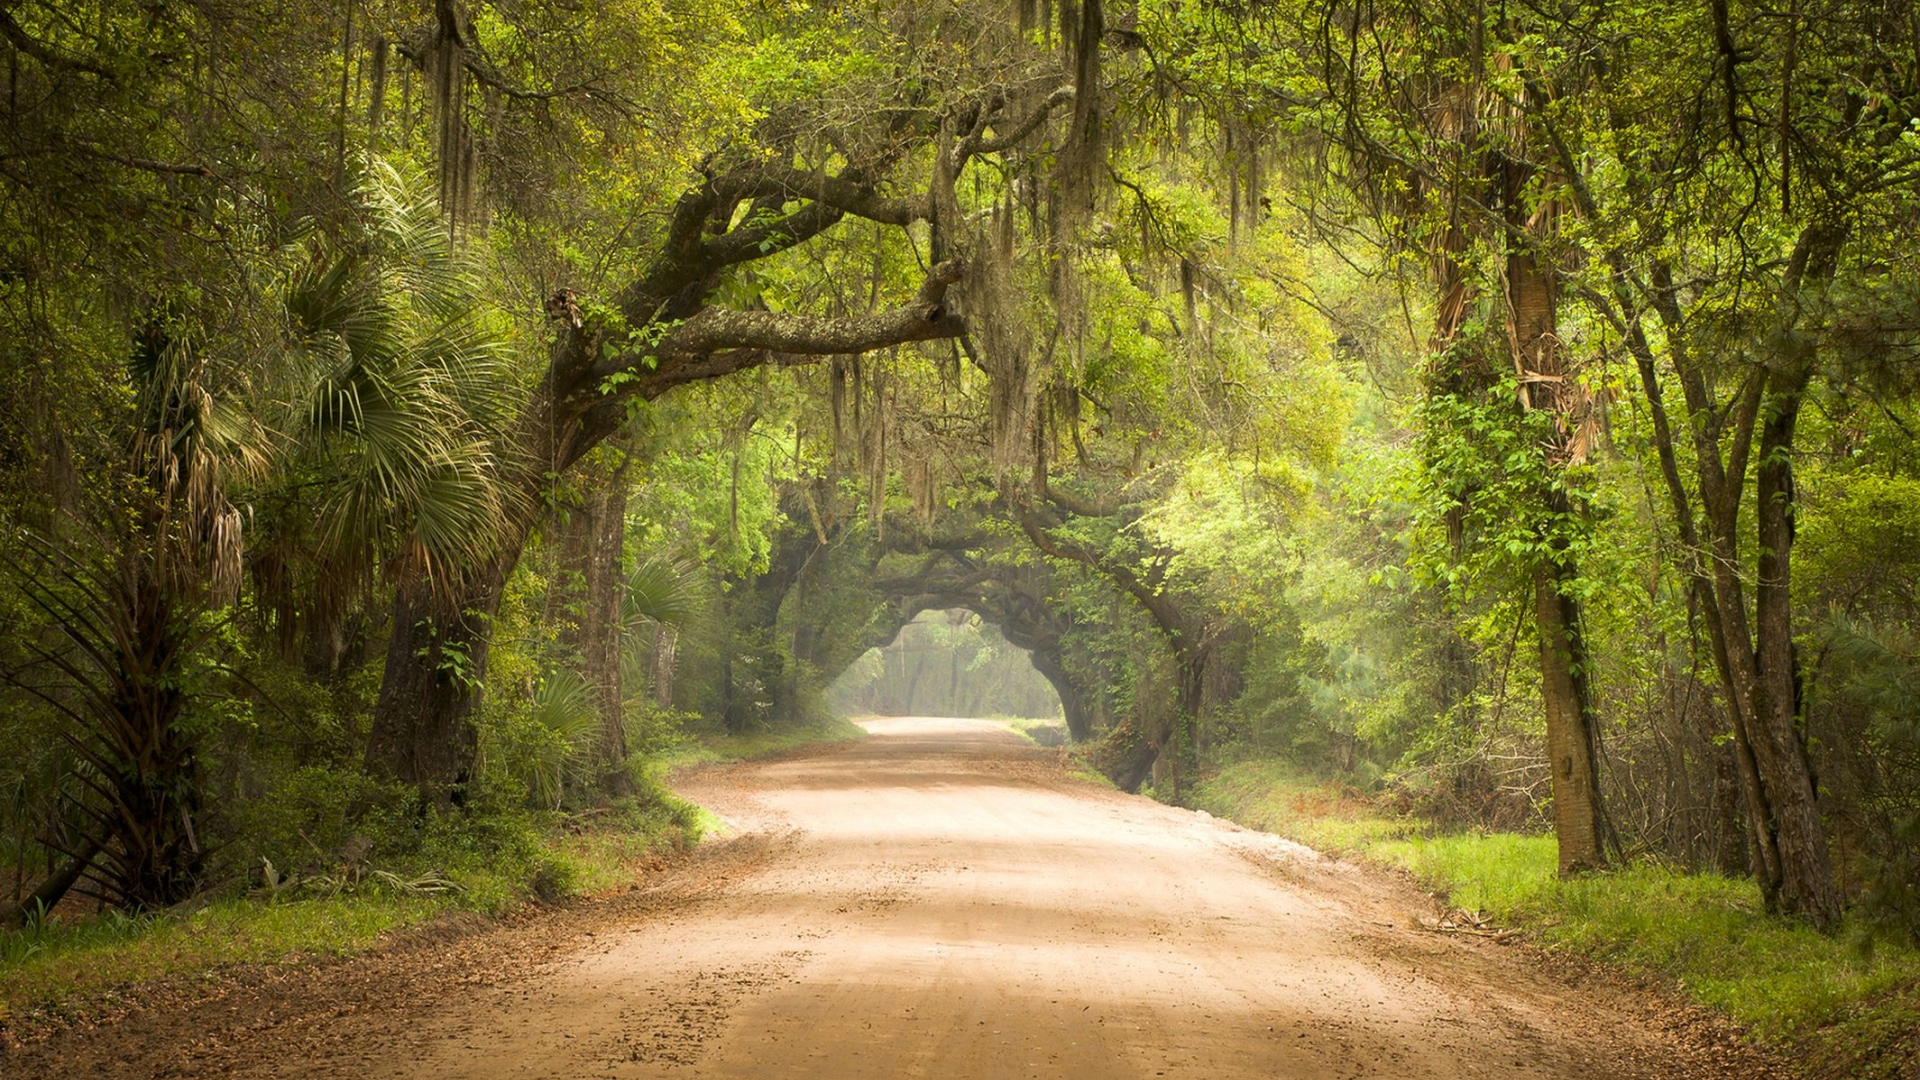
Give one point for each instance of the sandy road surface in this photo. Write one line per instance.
(935, 901)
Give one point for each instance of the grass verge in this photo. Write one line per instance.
(43, 968)
(1842, 1005)
(490, 863)
(55, 967)
(1049, 732)
(717, 746)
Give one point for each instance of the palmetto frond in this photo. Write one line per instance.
(194, 449)
(567, 720)
(660, 590)
(408, 389)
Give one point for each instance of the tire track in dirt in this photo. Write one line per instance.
(939, 900)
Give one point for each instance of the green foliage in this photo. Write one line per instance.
(708, 497)
(660, 591)
(49, 966)
(321, 818)
(403, 384)
(412, 870)
(553, 750)
(1274, 795)
(1483, 476)
(273, 357)
(1878, 669)
(1707, 933)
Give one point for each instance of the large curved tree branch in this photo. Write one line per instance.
(1159, 605)
(678, 338)
(848, 192)
(1016, 134)
(758, 239)
(719, 341)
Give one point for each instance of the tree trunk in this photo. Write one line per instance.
(146, 755)
(912, 663)
(1728, 835)
(1547, 387)
(52, 888)
(752, 612)
(423, 722)
(1789, 836)
(1129, 753)
(1142, 751)
(1807, 884)
(606, 594)
(1570, 751)
(1787, 840)
(593, 544)
(1712, 565)
(665, 641)
(1758, 678)
(1149, 746)
(954, 704)
(1074, 706)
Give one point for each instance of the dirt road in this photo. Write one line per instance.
(938, 901)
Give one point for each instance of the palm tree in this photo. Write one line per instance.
(127, 628)
(662, 596)
(398, 392)
(365, 428)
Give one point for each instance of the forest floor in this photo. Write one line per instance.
(941, 899)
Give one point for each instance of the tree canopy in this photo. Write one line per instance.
(449, 405)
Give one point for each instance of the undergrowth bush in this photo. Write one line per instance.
(318, 817)
(325, 831)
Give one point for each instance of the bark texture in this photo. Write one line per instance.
(592, 540)
(423, 729)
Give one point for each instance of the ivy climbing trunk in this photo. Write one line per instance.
(1548, 388)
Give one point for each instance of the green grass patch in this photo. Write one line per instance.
(45, 966)
(485, 864)
(718, 747)
(1848, 1003)
(597, 853)
(1049, 732)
